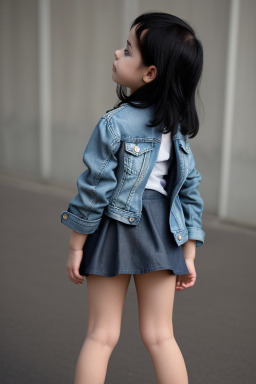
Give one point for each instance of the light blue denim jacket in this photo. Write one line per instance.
(120, 156)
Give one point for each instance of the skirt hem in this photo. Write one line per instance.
(121, 271)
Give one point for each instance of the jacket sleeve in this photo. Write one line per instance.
(193, 204)
(96, 183)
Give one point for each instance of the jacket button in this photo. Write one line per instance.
(179, 237)
(65, 216)
(136, 148)
(131, 219)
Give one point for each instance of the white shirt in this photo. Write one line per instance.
(156, 179)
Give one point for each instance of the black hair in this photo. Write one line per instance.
(171, 45)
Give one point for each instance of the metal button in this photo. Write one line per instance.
(136, 148)
(131, 219)
(179, 237)
(65, 216)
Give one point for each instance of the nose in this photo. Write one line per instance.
(117, 53)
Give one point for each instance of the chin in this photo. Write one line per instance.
(115, 81)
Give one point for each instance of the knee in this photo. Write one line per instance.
(152, 334)
(105, 336)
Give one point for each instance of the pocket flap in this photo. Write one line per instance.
(138, 148)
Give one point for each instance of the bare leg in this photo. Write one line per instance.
(106, 296)
(155, 291)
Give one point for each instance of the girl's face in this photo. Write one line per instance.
(128, 69)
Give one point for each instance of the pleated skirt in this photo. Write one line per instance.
(118, 248)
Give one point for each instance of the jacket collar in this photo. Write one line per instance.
(179, 135)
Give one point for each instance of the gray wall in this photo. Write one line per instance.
(19, 144)
(84, 36)
(242, 188)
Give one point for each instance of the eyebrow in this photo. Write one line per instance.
(128, 42)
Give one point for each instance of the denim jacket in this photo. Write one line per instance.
(120, 156)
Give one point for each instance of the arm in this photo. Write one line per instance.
(189, 250)
(77, 240)
(193, 204)
(96, 183)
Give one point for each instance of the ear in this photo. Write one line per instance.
(150, 74)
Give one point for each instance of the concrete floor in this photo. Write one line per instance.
(44, 314)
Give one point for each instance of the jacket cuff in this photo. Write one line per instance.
(77, 224)
(197, 234)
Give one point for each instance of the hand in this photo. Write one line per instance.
(73, 264)
(187, 280)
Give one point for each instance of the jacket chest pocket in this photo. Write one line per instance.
(135, 155)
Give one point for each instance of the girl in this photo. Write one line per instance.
(138, 211)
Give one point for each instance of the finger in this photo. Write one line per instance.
(73, 278)
(185, 285)
(193, 280)
(69, 276)
(79, 280)
(189, 284)
(181, 289)
(77, 274)
(181, 284)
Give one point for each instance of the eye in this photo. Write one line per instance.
(126, 52)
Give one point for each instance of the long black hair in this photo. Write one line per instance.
(171, 45)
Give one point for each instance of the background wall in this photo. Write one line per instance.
(242, 184)
(56, 82)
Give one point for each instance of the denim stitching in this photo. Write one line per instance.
(109, 114)
(125, 212)
(118, 189)
(140, 139)
(116, 136)
(104, 165)
(139, 178)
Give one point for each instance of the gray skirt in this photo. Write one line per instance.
(118, 248)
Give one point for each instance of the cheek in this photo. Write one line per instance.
(129, 62)
(131, 67)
